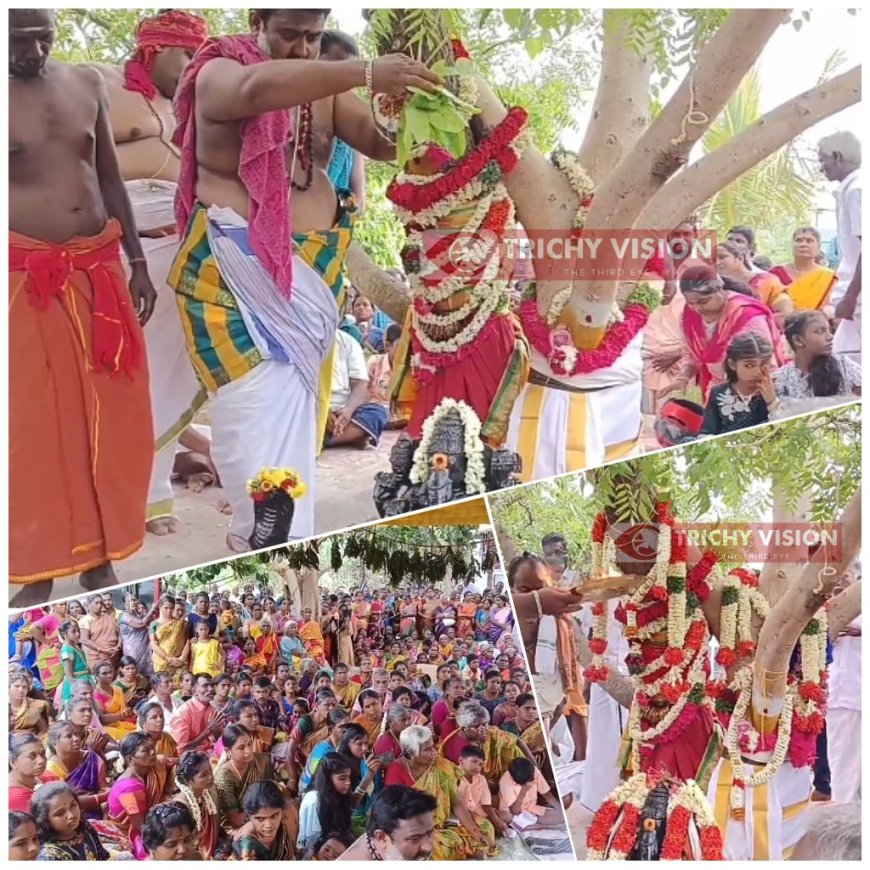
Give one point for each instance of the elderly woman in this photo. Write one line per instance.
(713, 317)
(420, 767)
(79, 767)
(473, 729)
(116, 716)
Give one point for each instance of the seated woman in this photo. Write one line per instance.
(328, 805)
(195, 782)
(420, 767)
(25, 713)
(526, 725)
(151, 722)
(766, 287)
(404, 696)
(80, 712)
(338, 720)
(169, 833)
(141, 785)
(372, 715)
(135, 686)
(239, 768)
(26, 767)
(82, 769)
(815, 371)
(507, 710)
(387, 746)
(473, 729)
(116, 717)
(64, 833)
(354, 748)
(246, 714)
(265, 836)
(308, 731)
(713, 317)
(23, 837)
(807, 282)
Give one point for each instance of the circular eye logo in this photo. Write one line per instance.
(637, 543)
(469, 252)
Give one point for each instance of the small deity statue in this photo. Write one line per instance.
(653, 820)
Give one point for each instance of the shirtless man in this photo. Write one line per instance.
(244, 95)
(140, 110)
(80, 432)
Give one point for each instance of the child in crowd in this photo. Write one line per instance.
(23, 838)
(72, 658)
(64, 833)
(208, 656)
(815, 371)
(381, 372)
(185, 693)
(332, 846)
(748, 395)
(520, 789)
(474, 792)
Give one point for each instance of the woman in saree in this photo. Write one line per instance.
(135, 686)
(472, 728)
(25, 714)
(265, 837)
(354, 749)
(268, 644)
(308, 731)
(408, 616)
(362, 612)
(82, 769)
(481, 620)
(254, 661)
(169, 641)
(372, 715)
(116, 717)
(44, 632)
(501, 619)
(80, 712)
(195, 782)
(445, 616)
(404, 696)
(73, 661)
(713, 317)
(467, 612)
(152, 723)
(141, 785)
(766, 287)
(808, 283)
(526, 724)
(378, 608)
(239, 768)
(337, 721)
(420, 767)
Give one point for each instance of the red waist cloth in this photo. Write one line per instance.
(116, 338)
(475, 380)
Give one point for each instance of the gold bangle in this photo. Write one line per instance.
(137, 260)
(369, 74)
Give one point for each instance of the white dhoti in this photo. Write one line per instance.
(607, 720)
(847, 338)
(557, 431)
(176, 394)
(844, 754)
(773, 821)
(268, 417)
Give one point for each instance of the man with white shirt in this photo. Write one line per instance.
(844, 708)
(840, 160)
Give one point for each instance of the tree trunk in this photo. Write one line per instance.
(787, 620)
(384, 290)
(699, 182)
(619, 687)
(620, 112)
(309, 591)
(776, 577)
(844, 608)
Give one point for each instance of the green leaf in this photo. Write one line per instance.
(452, 122)
(513, 17)
(535, 45)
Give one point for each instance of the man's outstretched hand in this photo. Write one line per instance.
(395, 73)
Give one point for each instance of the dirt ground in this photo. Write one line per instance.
(345, 479)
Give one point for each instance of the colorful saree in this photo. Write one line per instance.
(408, 620)
(373, 729)
(48, 659)
(112, 705)
(467, 612)
(86, 779)
(85, 846)
(811, 290)
(171, 637)
(741, 314)
(231, 789)
(499, 749)
(130, 797)
(445, 617)
(361, 614)
(28, 716)
(347, 694)
(80, 669)
(249, 848)
(312, 636)
(481, 624)
(500, 620)
(135, 694)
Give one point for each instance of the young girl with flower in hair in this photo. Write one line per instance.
(815, 371)
(747, 396)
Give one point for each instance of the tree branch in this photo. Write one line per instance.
(506, 544)
(696, 184)
(844, 608)
(788, 618)
(384, 290)
(620, 688)
(620, 110)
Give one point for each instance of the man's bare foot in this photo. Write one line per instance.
(162, 526)
(224, 507)
(99, 578)
(32, 593)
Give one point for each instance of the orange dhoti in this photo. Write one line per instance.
(81, 440)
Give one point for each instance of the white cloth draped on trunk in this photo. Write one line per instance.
(268, 417)
(176, 394)
(557, 431)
